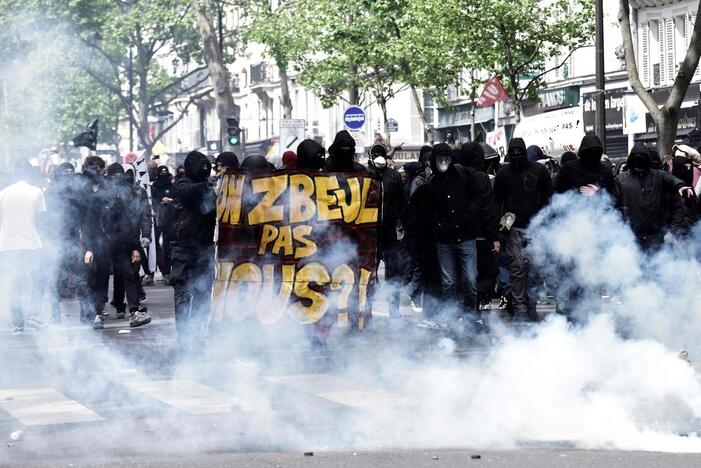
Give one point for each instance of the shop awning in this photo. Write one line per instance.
(652, 136)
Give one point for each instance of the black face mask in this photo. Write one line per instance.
(518, 159)
(591, 157)
(639, 163)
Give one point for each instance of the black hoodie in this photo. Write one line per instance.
(522, 189)
(462, 206)
(342, 155)
(649, 199)
(310, 156)
(587, 169)
(196, 203)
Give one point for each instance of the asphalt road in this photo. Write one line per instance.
(72, 396)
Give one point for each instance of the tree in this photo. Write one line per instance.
(666, 117)
(284, 33)
(517, 38)
(213, 53)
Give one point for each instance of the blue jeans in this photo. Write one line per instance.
(462, 256)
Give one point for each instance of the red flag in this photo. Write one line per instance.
(493, 92)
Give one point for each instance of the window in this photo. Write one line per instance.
(645, 54)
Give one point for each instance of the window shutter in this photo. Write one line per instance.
(645, 55)
(661, 44)
(669, 47)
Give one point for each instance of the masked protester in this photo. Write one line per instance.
(227, 160)
(586, 174)
(462, 205)
(256, 163)
(473, 158)
(126, 226)
(62, 231)
(192, 273)
(95, 202)
(650, 199)
(425, 172)
(393, 202)
(21, 206)
(162, 205)
(521, 189)
(683, 169)
(310, 156)
(342, 155)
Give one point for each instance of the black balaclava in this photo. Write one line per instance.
(472, 155)
(566, 157)
(255, 163)
(591, 150)
(655, 159)
(425, 155)
(310, 155)
(228, 159)
(639, 159)
(60, 171)
(163, 177)
(179, 172)
(197, 166)
(342, 150)
(683, 169)
(518, 155)
(116, 173)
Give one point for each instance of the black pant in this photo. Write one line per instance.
(164, 254)
(192, 277)
(487, 271)
(67, 261)
(388, 252)
(93, 286)
(126, 281)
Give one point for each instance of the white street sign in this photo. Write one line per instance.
(291, 134)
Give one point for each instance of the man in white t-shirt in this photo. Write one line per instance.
(20, 205)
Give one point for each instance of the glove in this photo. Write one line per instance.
(145, 242)
(213, 181)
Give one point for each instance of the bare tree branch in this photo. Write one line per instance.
(631, 65)
(181, 116)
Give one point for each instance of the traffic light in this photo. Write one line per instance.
(233, 131)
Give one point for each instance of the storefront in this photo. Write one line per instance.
(457, 120)
(617, 140)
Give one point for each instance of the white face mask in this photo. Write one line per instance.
(442, 164)
(379, 162)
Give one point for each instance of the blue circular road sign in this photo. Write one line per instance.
(354, 118)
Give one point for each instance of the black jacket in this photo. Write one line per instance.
(94, 202)
(63, 209)
(195, 208)
(128, 216)
(522, 191)
(393, 203)
(462, 205)
(585, 170)
(650, 201)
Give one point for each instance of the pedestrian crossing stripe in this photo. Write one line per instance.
(188, 396)
(342, 391)
(44, 406)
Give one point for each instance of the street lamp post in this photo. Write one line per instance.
(600, 73)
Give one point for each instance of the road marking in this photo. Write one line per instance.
(188, 396)
(44, 406)
(342, 391)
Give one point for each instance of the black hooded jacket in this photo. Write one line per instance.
(472, 158)
(393, 203)
(196, 203)
(586, 170)
(462, 205)
(650, 200)
(63, 207)
(342, 155)
(523, 190)
(124, 221)
(310, 156)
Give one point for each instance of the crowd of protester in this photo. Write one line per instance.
(453, 234)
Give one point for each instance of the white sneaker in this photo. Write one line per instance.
(139, 317)
(99, 322)
(416, 309)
